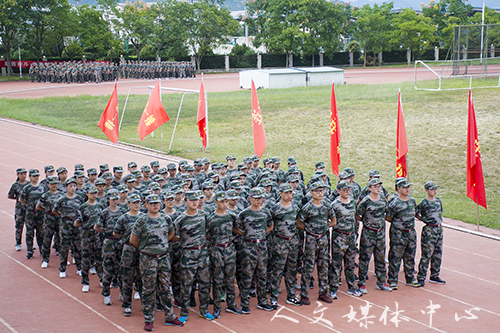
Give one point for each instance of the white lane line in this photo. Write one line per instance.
(467, 251)
(8, 214)
(311, 320)
(471, 276)
(6, 324)
(66, 293)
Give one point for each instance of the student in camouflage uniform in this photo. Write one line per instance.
(51, 221)
(284, 215)
(315, 218)
(403, 237)
(222, 254)
(34, 219)
(90, 214)
(20, 209)
(190, 227)
(430, 210)
(371, 211)
(253, 224)
(152, 233)
(373, 174)
(130, 254)
(68, 207)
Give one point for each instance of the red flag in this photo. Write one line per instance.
(402, 143)
(475, 179)
(154, 115)
(201, 120)
(259, 135)
(109, 119)
(334, 134)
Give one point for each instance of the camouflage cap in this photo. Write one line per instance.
(92, 189)
(235, 176)
(154, 186)
(266, 160)
(293, 178)
(343, 184)
(374, 173)
(78, 174)
(285, 187)
(145, 168)
(171, 166)
(131, 165)
(374, 181)
(316, 185)
(205, 160)
(186, 176)
(177, 189)
(320, 165)
(146, 193)
(104, 167)
(207, 184)
(230, 157)
(129, 178)
(52, 180)
(293, 169)
(398, 179)
(122, 188)
(265, 182)
(212, 174)
(215, 166)
(117, 168)
(220, 196)
(49, 168)
(232, 195)
(168, 195)
(350, 171)
(100, 181)
(198, 162)
(153, 198)
(236, 184)
(315, 178)
(183, 162)
(343, 175)
(133, 197)
(189, 167)
(154, 163)
(257, 192)
(247, 160)
(107, 175)
(200, 194)
(291, 160)
(157, 178)
(276, 160)
(430, 185)
(20, 170)
(79, 167)
(34, 172)
(403, 183)
(242, 166)
(255, 157)
(162, 170)
(69, 181)
(137, 174)
(192, 195)
(92, 171)
(223, 165)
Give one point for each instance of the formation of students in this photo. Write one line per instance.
(160, 233)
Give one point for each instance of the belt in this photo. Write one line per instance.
(315, 235)
(343, 232)
(126, 243)
(405, 230)
(433, 225)
(195, 247)
(283, 237)
(224, 245)
(154, 255)
(112, 237)
(372, 229)
(256, 241)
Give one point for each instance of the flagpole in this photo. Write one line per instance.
(206, 112)
(477, 213)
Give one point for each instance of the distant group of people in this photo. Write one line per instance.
(167, 231)
(157, 70)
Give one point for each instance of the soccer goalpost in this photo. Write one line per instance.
(184, 93)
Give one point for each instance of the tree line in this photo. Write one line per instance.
(172, 28)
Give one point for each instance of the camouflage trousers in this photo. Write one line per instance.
(300, 247)
(19, 218)
(254, 261)
(111, 255)
(238, 246)
(70, 238)
(343, 252)
(270, 260)
(372, 242)
(223, 262)
(50, 230)
(175, 259)
(130, 273)
(155, 274)
(403, 245)
(91, 253)
(431, 251)
(316, 252)
(195, 265)
(34, 224)
(285, 259)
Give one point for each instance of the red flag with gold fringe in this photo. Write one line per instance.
(109, 119)
(154, 115)
(402, 143)
(259, 135)
(334, 134)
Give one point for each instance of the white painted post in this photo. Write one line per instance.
(259, 61)
(436, 53)
(351, 59)
(321, 59)
(226, 58)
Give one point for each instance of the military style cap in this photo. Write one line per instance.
(205, 160)
(285, 187)
(100, 181)
(293, 178)
(223, 165)
(257, 192)
(92, 171)
(154, 164)
(70, 180)
(220, 196)
(146, 193)
(169, 195)
(189, 167)
(255, 157)
(34, 172)
(131, 165)
(293, 169)
(291, 160)
(315, 178)
(53, 180)
(137, 174)
(177, 189)
(200, 194)
(92, 189)
(230, 157)
(79, 167)
(185, 176)
(113, 194)
(198, 162)
(350, 171)
(133, 197)
(403, 183)
(343, 175)
(145, 168)
(104, 167)
(78, 174)
(374, 173)
(265, 182)
(247, 160)
(117, 168)
(171, 166)
(157, 178)
(207, 184)
(154, 186)
(153, 198)
(236, 184)
(343, 184)
(215, 166)
(430, 185)
(232, 195)
(183, 162)
(235, 176)
(122, 188)
(374, 181)
(242, 166)
(320, 165)
(316, 185)
(212, 174)
(107, 175)
(276, 160)
(48, 168)
(162, 170)
(20, 170)
(266, 160)
(192, 195)
(398, 179)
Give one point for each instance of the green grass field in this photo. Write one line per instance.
(297, 124)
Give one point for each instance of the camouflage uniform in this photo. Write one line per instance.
(284, 249)
(316, 223)
(372, 238)
(70, 235)
(254, 252)
(222, 257)
(403, 238)
(154, 263)
(129, 258)
(175, 260)
(50, 222)
(195, 261)
(432, 237)
(33, 218)
(343, 243)
(20, 209)
(91, 240)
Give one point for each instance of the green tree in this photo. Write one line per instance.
(12, 16)
(169, 33)
(137, 23)
(94, 32)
